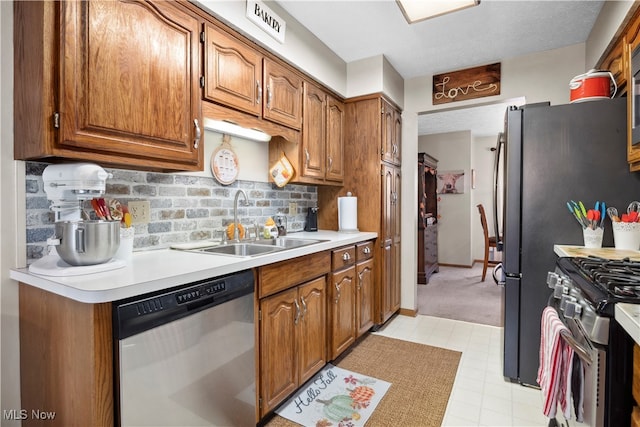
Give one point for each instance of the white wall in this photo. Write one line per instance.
(453, 151)
(12, 224)
(482, 161)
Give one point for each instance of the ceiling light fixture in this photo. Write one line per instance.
(232, 129)
(419, 10)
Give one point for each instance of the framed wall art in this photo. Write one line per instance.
(450, 182)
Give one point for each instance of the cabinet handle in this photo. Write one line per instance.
(395, 148)
(337, 293)
(295, 321)
(346, 257)
(196, 141)
(259, 86)
(307, 156)
(366, 250)
(361, 275)
(268, 97)
(304, 306)
(330, 163)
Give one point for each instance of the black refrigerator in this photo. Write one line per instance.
(551, 155)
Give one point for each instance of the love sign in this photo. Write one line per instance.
(466, 84)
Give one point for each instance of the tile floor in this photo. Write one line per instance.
(480, 395)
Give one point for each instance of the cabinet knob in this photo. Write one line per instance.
(346, 257)
(366, 250)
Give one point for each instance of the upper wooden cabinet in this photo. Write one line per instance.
(240, 77)
(233, 72)
(319, 158)
(617, 60)
(115, 82)
(392, 134)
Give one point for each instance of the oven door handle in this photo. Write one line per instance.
(582, 353)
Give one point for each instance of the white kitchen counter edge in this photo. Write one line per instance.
(628, 316)
(156, 270)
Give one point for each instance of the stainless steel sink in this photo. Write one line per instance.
(240, 249)
(288, 242)
(257, 247)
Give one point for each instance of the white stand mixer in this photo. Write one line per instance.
(68, 186)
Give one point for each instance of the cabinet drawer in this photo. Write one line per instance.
(276, 277)
(364, 251)
(343, 257)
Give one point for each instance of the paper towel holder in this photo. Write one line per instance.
(348, 214)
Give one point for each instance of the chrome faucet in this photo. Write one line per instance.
(236, 227)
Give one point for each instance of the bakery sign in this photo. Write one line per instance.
(265, 18)
(466, 84)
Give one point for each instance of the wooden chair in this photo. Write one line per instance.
(489, 242)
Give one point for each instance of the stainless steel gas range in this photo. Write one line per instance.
(585, 291)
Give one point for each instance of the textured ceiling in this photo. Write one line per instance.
(491, 32)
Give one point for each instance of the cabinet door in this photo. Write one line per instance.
(312, 328)
(283, 92)
(280, 315)
(335, 140)
(233, 72)
(397, 137)
(388, 132)
(342, 304)
(364, 297)
(386, 285)
(130, 80)
(313, 132)
(396, 219)
(388, 206)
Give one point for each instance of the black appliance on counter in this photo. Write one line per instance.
(312, 219)
(552, 154)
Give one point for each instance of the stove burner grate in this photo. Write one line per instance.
(618, 278)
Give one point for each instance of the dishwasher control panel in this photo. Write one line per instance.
(141, 313)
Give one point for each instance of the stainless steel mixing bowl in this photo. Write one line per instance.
(86, 242)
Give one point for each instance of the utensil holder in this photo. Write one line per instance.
(125, 251)
(626, 235)
(592, 238)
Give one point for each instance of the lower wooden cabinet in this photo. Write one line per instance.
(292, 329)
(364, 297)
(342, 301)
(351, 296)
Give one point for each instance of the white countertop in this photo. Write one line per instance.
(154, 270)
(628, 316)
(607, 253)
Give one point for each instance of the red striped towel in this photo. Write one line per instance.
(552, 372)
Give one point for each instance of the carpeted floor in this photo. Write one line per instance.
(421, 379)
(458, 293)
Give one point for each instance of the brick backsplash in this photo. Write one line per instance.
(184, 208)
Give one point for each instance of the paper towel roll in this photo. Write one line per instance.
(348, 213)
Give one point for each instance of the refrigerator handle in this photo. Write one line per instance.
(496, 176)
(498, 268)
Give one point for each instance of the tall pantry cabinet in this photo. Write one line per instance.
(372, 151)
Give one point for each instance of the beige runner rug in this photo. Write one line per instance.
(421, 379)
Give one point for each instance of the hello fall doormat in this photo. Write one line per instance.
(335, 396)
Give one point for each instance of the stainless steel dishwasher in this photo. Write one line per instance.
(185, 357)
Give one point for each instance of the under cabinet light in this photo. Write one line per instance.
(233, 129)
(419, 10)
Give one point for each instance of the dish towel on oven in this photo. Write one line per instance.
(554, 372)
